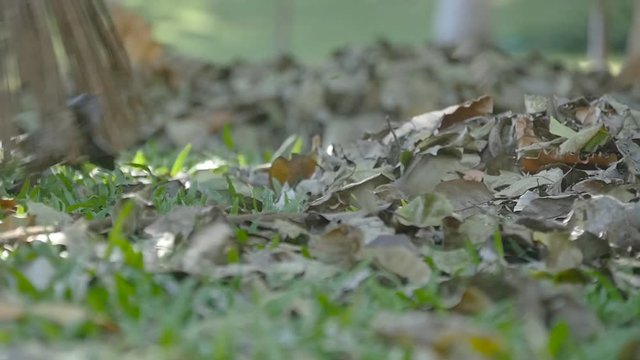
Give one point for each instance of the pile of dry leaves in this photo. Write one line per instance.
(524, 206)
(356, 90)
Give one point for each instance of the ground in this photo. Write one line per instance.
(470, 232)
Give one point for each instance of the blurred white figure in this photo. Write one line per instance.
(463, 22)
(598, 34)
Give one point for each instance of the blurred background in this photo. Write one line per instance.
(222, 30)
(343, 80)
(207, 66)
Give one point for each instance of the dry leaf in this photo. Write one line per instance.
(8, 204)
(46, 215)
(291, 172)
(62, 314)
(208, 248)
(481, 106)
(452, 338)
(340, 245)
(428, 123)
(396, 254)
(473, 175)
(144, 51)
(563, 254)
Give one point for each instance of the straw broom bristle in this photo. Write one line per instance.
(51, 51)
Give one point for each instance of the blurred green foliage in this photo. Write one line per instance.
(227, 29)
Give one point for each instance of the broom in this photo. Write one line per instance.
(66, 87)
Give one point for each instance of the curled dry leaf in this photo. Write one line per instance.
(568, 153)
(429, 122)
(481, 106)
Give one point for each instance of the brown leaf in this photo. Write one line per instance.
(630, 350)
(535, 163)
(481, 106)
(144, 51)
(428, 123)
(525, 134)
(473, 301)
(8, 204)
(291, 172)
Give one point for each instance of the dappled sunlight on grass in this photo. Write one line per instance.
(222, 30)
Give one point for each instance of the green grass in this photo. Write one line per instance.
(223, 30)
(142, 313)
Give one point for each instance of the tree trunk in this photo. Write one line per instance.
(283, 26)
(630, 72)
(598, 34)
(461, 22)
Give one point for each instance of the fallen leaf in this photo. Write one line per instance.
(517, 187)
(427, 171)
(588, 140)
(610, 219)
(39, 272)
(428, 123)
(466, 197)
(396, 254)
(473, 175)
(472, 301)
(46, 215)
(630, 350)
(453, 337)
(8, 204)
(481, 106)
(61, 313)
(425, 210)
(534, 163)
(556, 128)
(340, 245)
(208, 248)
(292, 171)
(630, 154)
(563, 254)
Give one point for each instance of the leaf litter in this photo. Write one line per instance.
(529, 207)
